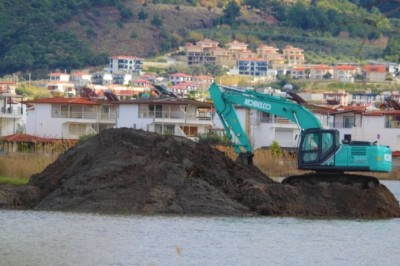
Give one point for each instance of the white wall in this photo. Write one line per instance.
(373, 129)
(41, 124)
(128, 116)
(263, 134)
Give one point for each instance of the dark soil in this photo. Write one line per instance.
(133, 171)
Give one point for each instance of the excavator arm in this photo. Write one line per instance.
(225, 99)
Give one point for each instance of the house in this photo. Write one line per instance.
(80, 78)
(299, 72)
(102, 78)
(68, 118)
(392, 68)
(12, 114)
(121, 78)
(314, 72)
(59, 76)
(344, 73)
(382, 126)
(293, 55)
(345, 118)
(252, 67)
(366, 98)
(223, 57)
(61, 88)
(142, 82)
(336, 98)
(272, 55)
(200, 54)
(8, 87)
(126, 92)
(375, 73)
(319, 72)
(207, 44)
(175, 116)
(236, 47)
(125, 64)
(246, 54)
(183, 89)
(203, 82)
(179, 78)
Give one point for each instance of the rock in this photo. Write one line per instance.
(132, 171)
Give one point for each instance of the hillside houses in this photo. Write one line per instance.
(265, 63)
(70, 118)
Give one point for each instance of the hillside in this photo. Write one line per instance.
(137, 36)
(41, 36)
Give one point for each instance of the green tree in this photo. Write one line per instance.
(142, 15)
(157, 21)
(231, 13)
(392, 50)
(275, 149)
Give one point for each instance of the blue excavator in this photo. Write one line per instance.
(320, 149)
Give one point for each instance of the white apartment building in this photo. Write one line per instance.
(12, 114)
(68, 118)
(125, 64)
(253, 67)
(175, 116)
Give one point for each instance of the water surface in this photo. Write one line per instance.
(56, 238)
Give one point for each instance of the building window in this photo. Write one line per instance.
(155, 110)
(77, 129)
(348, 121)
(164, 129)
(189, 131)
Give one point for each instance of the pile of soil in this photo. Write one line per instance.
(132, 171)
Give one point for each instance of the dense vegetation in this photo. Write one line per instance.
(33, 37)
(30, 37)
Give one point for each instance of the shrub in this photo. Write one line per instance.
(212, 138)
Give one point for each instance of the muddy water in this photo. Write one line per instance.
(53, 238)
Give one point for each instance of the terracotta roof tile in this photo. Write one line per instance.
(60, 100)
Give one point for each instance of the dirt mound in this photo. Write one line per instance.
(132, 171)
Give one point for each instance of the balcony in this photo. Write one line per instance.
(177, 117)
(15, 112)
(107, 117)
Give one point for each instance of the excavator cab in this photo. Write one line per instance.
(321, 150)
(316, 147)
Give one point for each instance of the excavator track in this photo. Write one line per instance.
(314, 178)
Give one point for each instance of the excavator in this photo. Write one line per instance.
(320, 150)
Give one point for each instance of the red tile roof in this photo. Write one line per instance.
(345, 67)
(60, 100)
(167, 101)
(382, 112)
(29, 138)
(375, 68)
(180, 75)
